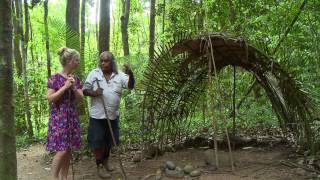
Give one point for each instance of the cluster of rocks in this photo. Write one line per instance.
(171, 170)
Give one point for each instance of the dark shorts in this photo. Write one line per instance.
(99, 134)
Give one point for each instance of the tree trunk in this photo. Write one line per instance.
(17, 37)
(124, 26)
(201, 17)
(45, 5)
(152, 28)
(31, 47)
(8, 159)
(104, 26)
(163, 16)
(72, 21)
(24, 70)
(97, 22)
(83, 37)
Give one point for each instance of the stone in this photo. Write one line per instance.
(188, 169)
(170, 165)
(174, 173)
(195, 173)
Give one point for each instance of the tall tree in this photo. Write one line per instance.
(72, 21)
(200, 16)
(124, 26)
(18, 33)
(152, 28)
(27, 108)
(45, 5)
(83, 31)
(104, 26)
(73, 32)
(8, 159)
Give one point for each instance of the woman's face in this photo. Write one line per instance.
(74, 63)
(105, 64)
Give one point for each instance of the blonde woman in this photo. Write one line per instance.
(64, 89)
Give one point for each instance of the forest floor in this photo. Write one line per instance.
(250, 163)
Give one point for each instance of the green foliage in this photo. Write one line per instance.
(261, 23)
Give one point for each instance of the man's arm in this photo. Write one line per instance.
(92, 93)
(88, 86)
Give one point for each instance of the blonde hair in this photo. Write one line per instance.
(66, 54)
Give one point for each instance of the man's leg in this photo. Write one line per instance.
(96, 140)
(110, 143)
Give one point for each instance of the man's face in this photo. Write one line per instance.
(105, 64)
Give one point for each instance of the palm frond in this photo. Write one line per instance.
(178, 76)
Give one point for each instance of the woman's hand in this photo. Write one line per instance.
(70, 83)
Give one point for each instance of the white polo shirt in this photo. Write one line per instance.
(112, 91)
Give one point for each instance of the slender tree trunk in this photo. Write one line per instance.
(163, 16)
(17, 37)
(104, 26)
(24, 70)
(83, 37)
(124, 26)
(201, 17)
(31, 47)
(8, 159)
(97, 22)
(152, 28)
(45, 5)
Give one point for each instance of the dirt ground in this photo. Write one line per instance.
(252, 163)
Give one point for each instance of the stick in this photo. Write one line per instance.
(112, 135)
(291, 164)
(221, 103)
(71, 135)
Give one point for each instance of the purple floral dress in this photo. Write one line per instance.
(64, 126)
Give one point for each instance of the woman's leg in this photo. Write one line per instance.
(65, 166)
(57, 164)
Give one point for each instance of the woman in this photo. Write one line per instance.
(64, 128)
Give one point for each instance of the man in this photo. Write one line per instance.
(104, 85)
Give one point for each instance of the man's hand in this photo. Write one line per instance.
(98, 92)
(127, 69)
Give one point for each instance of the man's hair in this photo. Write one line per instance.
(108, 55)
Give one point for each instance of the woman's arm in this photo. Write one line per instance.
(54, 96)
(78, 93)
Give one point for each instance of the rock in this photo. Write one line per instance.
(195, 173)
(179, 169)
(188, 169)
(174, 173)
(170, 165)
